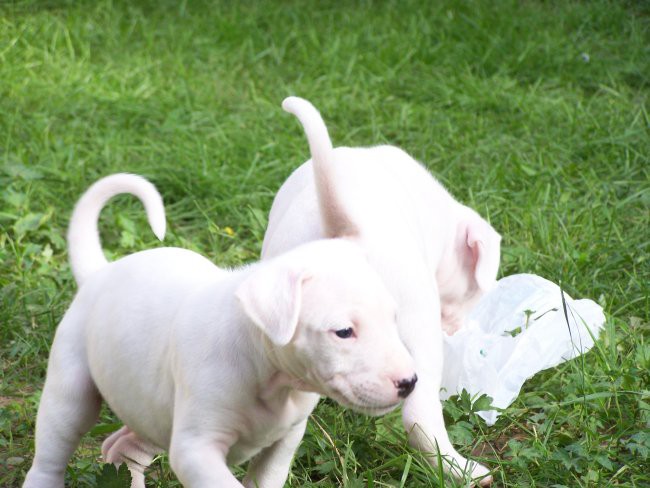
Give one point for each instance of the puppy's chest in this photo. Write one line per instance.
(268, 421)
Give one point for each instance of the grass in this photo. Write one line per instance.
(534, 113)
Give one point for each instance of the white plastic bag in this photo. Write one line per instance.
(517, 329)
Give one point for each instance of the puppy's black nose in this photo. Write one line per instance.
(405, 387)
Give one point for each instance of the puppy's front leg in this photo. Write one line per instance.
(271, 467)
(422, 411)
(199, 461)
(424, 422)
(198, 447)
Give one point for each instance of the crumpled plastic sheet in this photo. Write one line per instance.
(516, 330)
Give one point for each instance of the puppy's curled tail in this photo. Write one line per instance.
(336, 218)
(84, 247)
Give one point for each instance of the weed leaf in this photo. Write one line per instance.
(113, 477)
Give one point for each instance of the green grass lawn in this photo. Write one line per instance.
(534, 113)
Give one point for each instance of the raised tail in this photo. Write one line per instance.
(336, 218)
(84, 247)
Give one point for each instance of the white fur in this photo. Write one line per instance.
(85, 251)
(435, 255)
(215, 366)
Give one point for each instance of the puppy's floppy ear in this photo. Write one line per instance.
(271, 297)
(480, 246)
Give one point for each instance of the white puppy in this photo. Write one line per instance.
(216, 366)
(435, 255)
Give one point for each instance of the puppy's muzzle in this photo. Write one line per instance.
(406, 386)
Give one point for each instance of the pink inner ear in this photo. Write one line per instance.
(468, 247)
(484, 259)
(473, 249)
(476, 249)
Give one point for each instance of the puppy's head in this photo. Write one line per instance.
(331, 325)
(469, 268)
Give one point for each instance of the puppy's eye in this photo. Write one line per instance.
(344, 333)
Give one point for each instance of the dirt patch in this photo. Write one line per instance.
(4, 400)
(499, 445)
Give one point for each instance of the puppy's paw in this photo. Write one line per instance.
(487, 481)
(110, 442)
(481, 476)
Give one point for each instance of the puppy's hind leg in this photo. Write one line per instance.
(124, 446)
(69, 407)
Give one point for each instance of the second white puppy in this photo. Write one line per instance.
(435, 255)
(215, 366)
